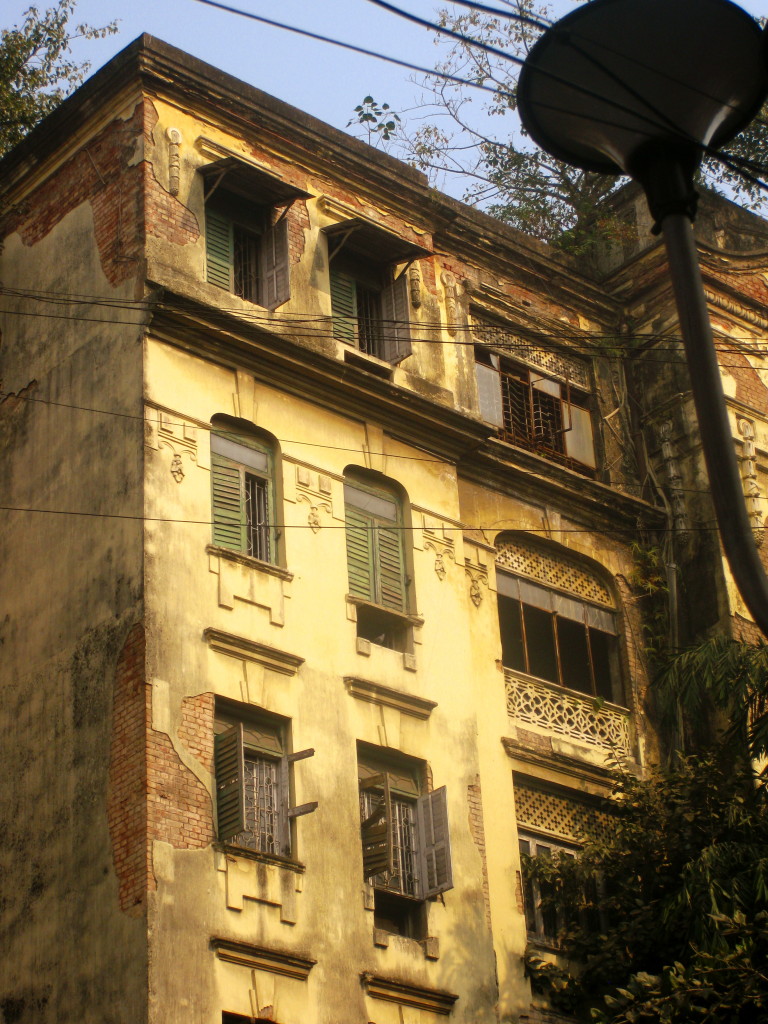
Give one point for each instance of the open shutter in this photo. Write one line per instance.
(219, 249)
(436, 873)
(579, 440)
(228, 504)
(229, 765)
(395, 314)
(489, 394)
(275, 277)
(390, 565)
(343, 306)
(359, 535)
(376, 828)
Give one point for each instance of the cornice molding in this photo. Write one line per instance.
(385, 696)
(260, 958)
(431, 999)
(249, 650)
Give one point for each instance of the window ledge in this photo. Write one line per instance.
(405, 617)
(370, 364)
(264, 858)
(253, 563)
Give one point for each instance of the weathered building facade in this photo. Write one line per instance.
(319, 496)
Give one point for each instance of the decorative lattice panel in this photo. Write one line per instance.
(529, 560)
(554, 364)
(577, 718)
(559, 815)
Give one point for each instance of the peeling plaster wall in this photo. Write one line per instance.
(71, 587)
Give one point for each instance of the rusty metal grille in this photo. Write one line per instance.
(404, 877)
(532, 418)
(262, 806)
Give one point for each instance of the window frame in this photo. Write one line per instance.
(514, 397)
(423, 864)
(243, 479)
(242, 737)
(548, 601)
(370, 309)
(230, 223)
(376, 551)
(541, 931)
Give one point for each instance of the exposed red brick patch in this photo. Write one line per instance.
(126, 800)
(101, 173)
(179, 807)
(477, 831)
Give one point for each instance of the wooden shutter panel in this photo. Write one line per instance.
(344, 306)
(219, 249)
(228, 504)
(489, 394)
(229, 766)
(376, 829)
(275, 277)
(360, 564)
(390, 567)
(436, 874)
(396, 314)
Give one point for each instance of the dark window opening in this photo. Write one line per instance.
(245, 262)
(381, 628)
(558, 638)
(370, 309)
(544, 919)
(257, 517)
(398, 915)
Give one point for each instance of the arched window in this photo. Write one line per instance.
(557, 620)
(243, 490)
(376, 560)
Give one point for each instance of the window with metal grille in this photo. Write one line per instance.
(558, 638)
(370, 309)
(253, 781)
(242, 481)
(403, 877)
(541, 414)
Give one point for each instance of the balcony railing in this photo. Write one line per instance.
(570, 714)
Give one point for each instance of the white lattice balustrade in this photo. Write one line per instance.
(579, 718)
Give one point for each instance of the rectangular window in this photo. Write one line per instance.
(246, 254)
(543, 919)
(404, 832)
(370, 311)
(558, 638)
(535, 412)
(252, 766)
(241, 478)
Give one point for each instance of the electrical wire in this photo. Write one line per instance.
(505, 524)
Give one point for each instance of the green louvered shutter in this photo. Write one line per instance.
(275, 279)
(395, 314)
(360, 565)
(434, 844)
(229, 523)
(390, 567)
(229, 765)
(219, 249)
(344, 306)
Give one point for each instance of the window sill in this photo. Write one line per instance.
(367, 363)
(264, 858)
(406, 618)
(252, 563)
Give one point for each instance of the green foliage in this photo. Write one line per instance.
(666, 912)
(36, 69)
(649, 579)
(477, 137)
(378, 120)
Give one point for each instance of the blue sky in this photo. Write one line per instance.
(321, 79)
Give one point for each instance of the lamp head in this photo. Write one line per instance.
(622, 86)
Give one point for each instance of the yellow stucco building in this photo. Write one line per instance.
(319, 492)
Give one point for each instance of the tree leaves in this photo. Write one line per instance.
(36, 73)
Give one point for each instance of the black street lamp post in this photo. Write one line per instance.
(646, 88)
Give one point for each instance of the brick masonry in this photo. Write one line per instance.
(477, 831)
